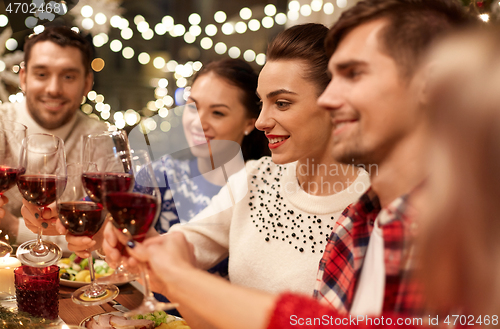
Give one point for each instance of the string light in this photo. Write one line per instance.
(160, 29)
(3, 20)
(211, 30)
(234, 52)
(127, 33)
(245, 13)
(11, 44)
(220, 17)
(240, 27)
(267, 22)
(206, 43)
(87, 11)
(328, 8)
(270, 10)
(143, 58)
(341, 3)
(100, 18)
(227, 28)
(280, 19)
(220, 48)
(115, 45)
(194, 19)
(316, 5)
(305, 10)
(195, 30)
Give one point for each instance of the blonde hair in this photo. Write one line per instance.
(460, 247)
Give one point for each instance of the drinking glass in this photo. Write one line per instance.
(43, 177)
(37, 290)
(134, 213)
(110, 152)
(83, 218)
(11, 137)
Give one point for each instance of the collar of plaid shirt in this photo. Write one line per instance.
(341, 264)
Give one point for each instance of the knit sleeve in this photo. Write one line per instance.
(295, 311)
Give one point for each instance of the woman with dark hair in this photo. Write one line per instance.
(275, 235)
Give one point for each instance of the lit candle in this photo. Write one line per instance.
(7, 266)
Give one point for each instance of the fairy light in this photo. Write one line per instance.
(240, 27)
(195, 30)
(168, 21)
(128, 52)
(220, 48)
(143, 58)
(127, 33)
(100, 18)
(249, 55)
(159, 62)
(270, 10)
(260, 59)
(294, 6)
(293, 15)
(87, 11)
(38, 29)
(280, 19)
(123, 24)
(115, 21)
(267, 22)
(316, 5)
(142, 26)
(211, 30)
(3, 20)
(171, 65)
(220, 17)
(484, 17)
(115, 45)
(11, 44)
(206, 43)
(245, 13)
(138, 19)
(305, 10)
(91, 95)
(148, 34)
(234, 52)
(194, 19)
(189, 38)
(341, 3)
(254, 25)
(227, 28)
(87, 23)
(328, 8)
(160, 29)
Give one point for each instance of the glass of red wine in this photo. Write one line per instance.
(84, 218)
(11, 137)
(113, 172)
(134, 213)
(43, 177)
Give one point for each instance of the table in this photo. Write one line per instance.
(72, 313)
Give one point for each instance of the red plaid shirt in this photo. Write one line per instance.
(340, 267)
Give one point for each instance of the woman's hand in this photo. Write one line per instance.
(47, 218)
(82, 245)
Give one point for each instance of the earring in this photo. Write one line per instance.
(246, 132)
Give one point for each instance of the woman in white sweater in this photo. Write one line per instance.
(285, 206)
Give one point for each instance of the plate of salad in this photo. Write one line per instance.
(74, 271)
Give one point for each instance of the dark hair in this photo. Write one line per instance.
(412, 26)
(304, 42)
(64, 37)
(241, 75)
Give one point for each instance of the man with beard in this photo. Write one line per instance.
(54, 79)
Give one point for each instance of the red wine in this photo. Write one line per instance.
(8, 177)
(114, 182)
(39, 189)
(81, 217)
(132, 211)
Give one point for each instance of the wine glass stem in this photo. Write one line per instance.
(145, 278)
(95, 290)
(39, 248)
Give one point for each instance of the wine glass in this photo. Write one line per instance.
(134, 213)
(11, 136)
(43, 177)
(83, 218)
(110, 152)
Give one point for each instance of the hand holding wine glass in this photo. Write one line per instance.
(11, 137)
(43, 177)
(134, 213)
(84, 218)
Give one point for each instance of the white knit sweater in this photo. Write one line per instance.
(275, 234)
